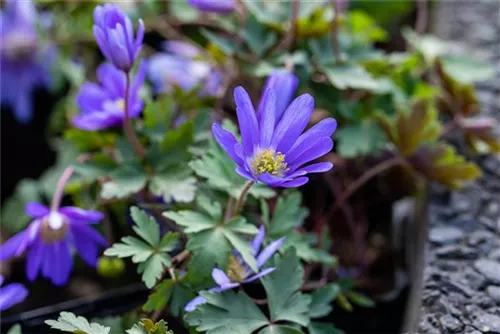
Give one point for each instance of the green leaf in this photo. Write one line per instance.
(226, 313)
(147, 326)
(14, 218)
(220, 171)
(90, 140)
(410, 129)
(429, 46)
(68, 322)
(349, 76)
(97, 167)
(467, 69)
(303, 244)
(146, 226)
(359, 139)
(323, 328)
(440, 162)
(228, 46)
(363, 26)
(114, 322)
(125, 181)
(321, 300)
(158, 117)
(288, 214)
(359, 299)
(16, 329)
(152, 256)
(177, 186)
(204, 229)
(280, 329)
(286, 302)
(177, 293)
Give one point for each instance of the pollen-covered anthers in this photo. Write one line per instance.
(269, 161)
(53, 228)
(235, 270)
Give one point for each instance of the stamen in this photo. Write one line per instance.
(235, 270)
(120, 103)
(269, 161)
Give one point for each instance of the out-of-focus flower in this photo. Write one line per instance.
(103, 104)
(24, 63)
(285, 83)
(274, 150)
(181, 66)
(49, 240)
(215, 6)
(238, 272)
(11, 294)
(114, 34)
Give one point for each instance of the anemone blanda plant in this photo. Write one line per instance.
(238, 272)
(273, 149)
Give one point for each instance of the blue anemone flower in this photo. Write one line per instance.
(114, 33)
(182, 66)
(238, 272)
(273, 149)
(11, 294)
(24, 63)
(50, 239)
(215, 6)
(103, 104)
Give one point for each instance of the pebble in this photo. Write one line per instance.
(456, 252)
(486, 322)
(495, 254)
(450, 323)
(445, 234)
(490, 269)
(494, 292)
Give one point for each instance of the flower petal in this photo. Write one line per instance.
(80, 216)
(243, 172)
(324, 128)
(11, 246)
(319, 167)
(220, 277)
(271, 180)
(34, 261)
(264, 272)
(320, 148)
(283, 83)
(272, 248)
(36, 210)
(191, 306)
(63, 263)
(11, 295)
(300, 181)
(294, 121)
(247, 120)
(227, 141)
(257, 241)
(267, 118)
(85, 246)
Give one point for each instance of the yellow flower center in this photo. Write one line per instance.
(269, 161)
(120, 103)
(235, 271)
(53, 228)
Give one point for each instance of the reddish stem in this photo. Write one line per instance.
(56, 200)
(127, 125)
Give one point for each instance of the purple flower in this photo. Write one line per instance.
(23, 62)
(238, 272)
(280, 81)
(50, 238)
(114, 34)
(102, 104)
(182, 66)
(215, 6)
(273, 149)
(11, 294)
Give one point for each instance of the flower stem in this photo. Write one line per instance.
(127, 125)
(243, 196)
(56, 200)
(335, 30)
(422, 16)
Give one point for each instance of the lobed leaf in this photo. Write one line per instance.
(68, 322)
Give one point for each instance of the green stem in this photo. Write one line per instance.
(127, 125)
(243, 196)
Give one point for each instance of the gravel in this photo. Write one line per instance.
(462, 279)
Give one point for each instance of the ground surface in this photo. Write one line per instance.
(462, 278)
